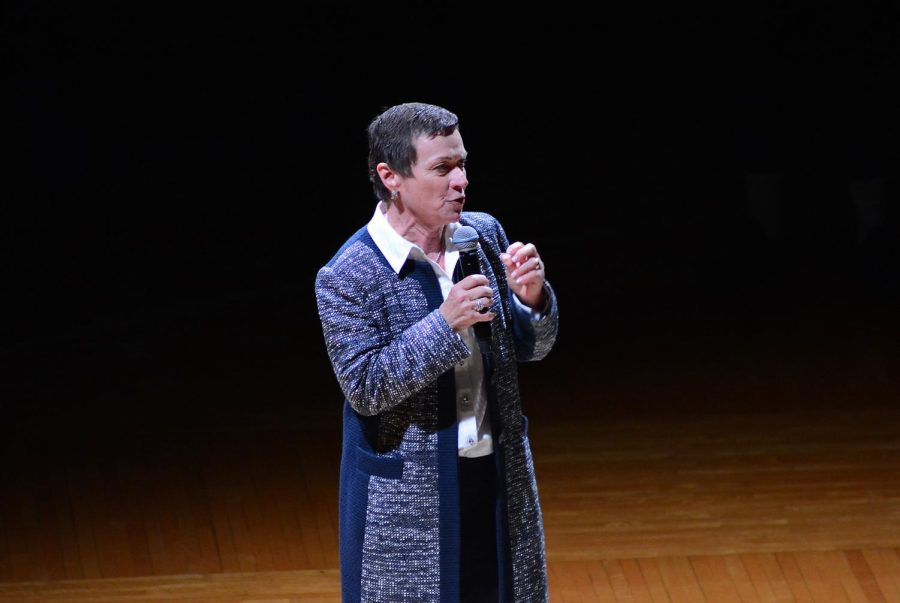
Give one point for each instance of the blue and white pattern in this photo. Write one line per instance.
(393, 355)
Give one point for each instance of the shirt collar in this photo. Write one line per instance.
(395, 248)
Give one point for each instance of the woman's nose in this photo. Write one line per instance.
(459, 181)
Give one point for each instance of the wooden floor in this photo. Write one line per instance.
(831, 576)
(728, 461)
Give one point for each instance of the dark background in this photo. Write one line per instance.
(174, 177)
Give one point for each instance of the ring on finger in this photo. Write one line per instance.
(479, 305)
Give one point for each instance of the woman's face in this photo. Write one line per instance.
(436, 191)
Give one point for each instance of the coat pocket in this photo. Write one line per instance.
(372, 464)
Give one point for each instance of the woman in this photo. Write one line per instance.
(438, 497)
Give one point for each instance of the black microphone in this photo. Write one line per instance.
(466, 240)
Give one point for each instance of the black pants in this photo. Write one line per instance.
(478, 530)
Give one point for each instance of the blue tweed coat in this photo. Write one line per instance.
(393, 355)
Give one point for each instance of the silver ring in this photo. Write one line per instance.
(537, 263)
(479, 305)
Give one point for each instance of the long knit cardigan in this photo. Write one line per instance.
(393, 355)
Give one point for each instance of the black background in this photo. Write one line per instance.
(176, 176)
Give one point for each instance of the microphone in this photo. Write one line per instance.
(466, 240)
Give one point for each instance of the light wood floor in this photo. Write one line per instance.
(748, 466)
(833, 576)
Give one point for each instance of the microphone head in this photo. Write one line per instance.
(465, 238)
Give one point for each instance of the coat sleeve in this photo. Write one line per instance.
(534, 335)
(375, 370)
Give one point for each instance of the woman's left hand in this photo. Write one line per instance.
(525, 273)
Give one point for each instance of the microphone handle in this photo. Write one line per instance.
(468, 262)
(469, 265)
(482, 331)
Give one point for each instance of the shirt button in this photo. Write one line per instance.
(471, 441)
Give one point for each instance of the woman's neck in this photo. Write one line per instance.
(434, 250)
(429, 239)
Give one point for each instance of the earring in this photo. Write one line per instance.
(394, 195)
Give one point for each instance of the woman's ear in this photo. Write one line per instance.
(389, 177)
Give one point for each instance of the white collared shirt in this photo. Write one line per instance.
(474, 437)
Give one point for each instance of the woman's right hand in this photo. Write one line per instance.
(469, 302)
